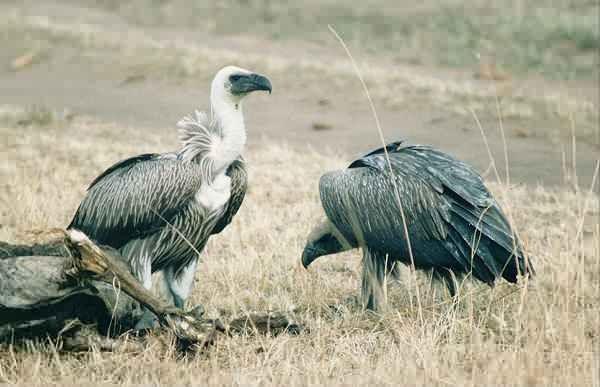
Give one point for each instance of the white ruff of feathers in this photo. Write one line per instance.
(215, 141)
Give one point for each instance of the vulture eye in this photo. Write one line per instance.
(235, 78)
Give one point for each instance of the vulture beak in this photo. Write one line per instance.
(261, 82)
(251, 82)
(323, 244)
(309, 254)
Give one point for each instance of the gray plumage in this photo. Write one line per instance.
(454, 224)
(147, 206)
(158, 210)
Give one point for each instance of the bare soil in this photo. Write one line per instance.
(306, 109)
(296, 118)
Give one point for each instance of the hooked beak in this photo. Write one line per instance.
(251, 82)
(261, 83)
(309, 254)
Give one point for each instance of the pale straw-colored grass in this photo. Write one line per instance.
(545, 333)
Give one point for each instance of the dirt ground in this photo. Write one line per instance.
(95, 61)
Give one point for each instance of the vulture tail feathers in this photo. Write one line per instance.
(486, 224)
(489, 257)
(477, 260)
(489, 233)
(514, 264)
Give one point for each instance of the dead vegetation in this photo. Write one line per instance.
(544, 334)
(84, 297)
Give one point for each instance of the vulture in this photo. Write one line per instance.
(159, 209)
(422, 207)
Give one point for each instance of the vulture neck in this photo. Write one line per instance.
(228, 112)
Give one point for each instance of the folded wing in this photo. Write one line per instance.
(452, 219)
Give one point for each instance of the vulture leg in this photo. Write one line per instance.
(143, 273)
(179, 281)
(373, 280)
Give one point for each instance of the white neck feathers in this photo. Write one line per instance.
(217, 140)
(227, 111)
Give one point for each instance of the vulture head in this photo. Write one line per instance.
(232, 84)
(324, 239)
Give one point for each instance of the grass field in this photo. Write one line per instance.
(543, 333)
(65, 63)
(557, 38)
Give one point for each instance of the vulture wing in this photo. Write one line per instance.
(136, 197)
(239, 185)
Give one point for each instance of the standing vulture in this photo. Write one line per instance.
(158, 210)
(454, 225)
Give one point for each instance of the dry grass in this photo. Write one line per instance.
(547, 333)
